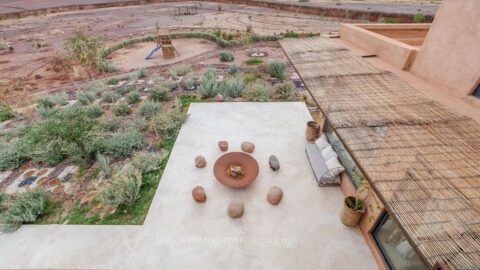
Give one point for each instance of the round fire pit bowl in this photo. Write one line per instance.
(247, 162)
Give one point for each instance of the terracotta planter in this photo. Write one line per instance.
(312, 131)
(348, 216)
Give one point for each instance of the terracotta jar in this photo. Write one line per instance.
(348, 216)
(312, 131)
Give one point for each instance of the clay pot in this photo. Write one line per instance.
(348, 216)
(312, 131)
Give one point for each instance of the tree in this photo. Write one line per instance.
(84, 49)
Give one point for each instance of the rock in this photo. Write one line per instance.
(223, 145)
(273, 162)
(248, 147)
(67, 177)
(198, 194)
(41, 172)
(27, 181)
(200, 161)
(219, 98)
(29, 173)
(274, 195)
(38, 76)
(58, 190)
(54, 182)
(235, 209)
(42, 181)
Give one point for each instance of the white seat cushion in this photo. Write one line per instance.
(322, 142)
(328, 153)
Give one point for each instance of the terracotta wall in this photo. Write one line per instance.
(450, 54)
(383, 41)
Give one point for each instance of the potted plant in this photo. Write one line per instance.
(353, 209)
(312, 131)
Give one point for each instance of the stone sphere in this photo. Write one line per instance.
(198, 194)
(200, 161)
(274, 195)
(219, 98)
(248, 147)
(223, 145)
(235, 209)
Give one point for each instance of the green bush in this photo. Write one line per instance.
(138, 124)
(133, 97)
(226, 56)
(257, 93)
(126, 89)
(6, 112)
(61, 98)
(253, 61)
(159, 94)
(284, 91)
(173, 74)
(253, 76)
(109, 124)
(62, 135)
(142, 73)
(94, 111)
(121, 109)
(168, 124)
(185, 100)
(276, 68)
(233, 87)
(181, 70)
(124, 144)
(110, 96)
(97, 87)
(113, 81)
(148, 162)
(86, 97)
(209, 86)
(170, 85)
(189, 83)
(106, 66)
(149, 108)
(10, 157)
(24, 208)
(232, 69)
(123, 188)
(290, 34)
(104, 165)
(84, 49)
(45, 102)
(419, 17)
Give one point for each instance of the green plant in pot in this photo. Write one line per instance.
(354, 206)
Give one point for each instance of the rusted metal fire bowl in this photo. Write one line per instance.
(244, 160)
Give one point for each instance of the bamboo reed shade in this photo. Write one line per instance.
(422, 158)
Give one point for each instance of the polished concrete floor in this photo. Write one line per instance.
(302, 232)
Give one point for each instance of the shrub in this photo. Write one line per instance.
(109, 124)
(170, 85)
(113, 81)
(232, 69)
(257, 93)
(168, 124)
(83, 48)
(209, 86)
(159, 94)
(61, 98)
(133, 97)
(419, 17)
(45, 102)
(86, 97)
(253, 76)
(181, 70)
(189, 83)
(149, 108)
(62, 135)
(97, 87)
(284, 91)
(121, 109)
(147, 162)
(276, 68)
(173, 74)
(24, 208)
(185, 100)
(138, 124)
(10, 157)
(126, 89)
(226, 56)
(123, 188)
(106, 66)
(104, 165)
(290, 34)
(110, 96)
(142, 73)
(6, 112)
(124, 144)
(233, 87)
(253, 61)
(94, 111)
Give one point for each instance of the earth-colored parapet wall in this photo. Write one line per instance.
(305, 8)
(395, 43)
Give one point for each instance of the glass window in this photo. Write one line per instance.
(396, 249)
(343, 155)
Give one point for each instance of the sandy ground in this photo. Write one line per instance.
(133, 57)
(302, 232)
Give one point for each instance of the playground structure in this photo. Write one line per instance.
(168, 50)
(186, 10)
